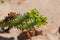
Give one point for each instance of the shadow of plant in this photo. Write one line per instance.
(3, 38)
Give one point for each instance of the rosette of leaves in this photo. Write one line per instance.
(41, 20)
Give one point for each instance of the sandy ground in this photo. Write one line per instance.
(49, 8)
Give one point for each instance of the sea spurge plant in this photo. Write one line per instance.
(34, 19)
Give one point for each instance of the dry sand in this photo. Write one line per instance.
(49, 8)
